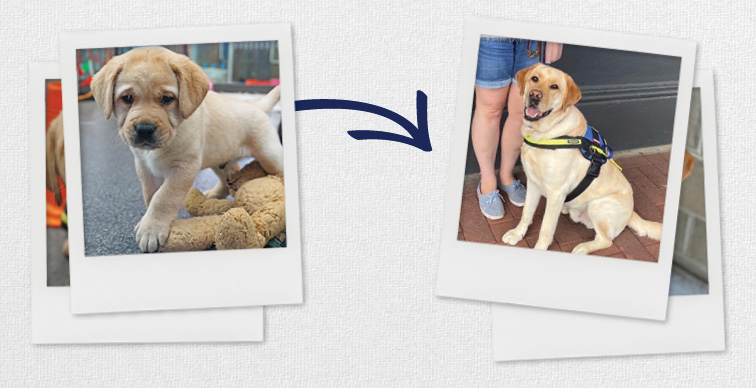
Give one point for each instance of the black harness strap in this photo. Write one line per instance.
(593, 172)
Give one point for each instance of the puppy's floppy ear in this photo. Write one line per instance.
(572, 93)
(51, 148)
(103, 83)
(193, 84)
(523, 76)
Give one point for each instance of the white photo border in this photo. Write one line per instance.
(559, 280)
(52, 321)
(695, 323)
(167, 281)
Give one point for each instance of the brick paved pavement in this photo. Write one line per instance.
(647, 174)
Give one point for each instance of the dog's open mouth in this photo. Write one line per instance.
(533, 114)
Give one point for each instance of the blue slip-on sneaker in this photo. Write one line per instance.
(491, 204)
(516, 192)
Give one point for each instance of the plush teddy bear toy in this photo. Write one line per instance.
(254, 217)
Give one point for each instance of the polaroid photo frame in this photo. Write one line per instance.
(182, 280)
(695, 323)
(500, 273)
(52, 321)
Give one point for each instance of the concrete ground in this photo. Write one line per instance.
(684, 283)
(57, 262)
(111, 192)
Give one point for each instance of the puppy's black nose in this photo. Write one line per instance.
(145, 130)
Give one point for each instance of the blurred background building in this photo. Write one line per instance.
(690, 264)
(249, 67)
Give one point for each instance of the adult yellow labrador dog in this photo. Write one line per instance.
(606, 205)
(175, 127)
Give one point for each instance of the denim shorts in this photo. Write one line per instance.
(499, 59)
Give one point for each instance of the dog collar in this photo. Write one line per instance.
(592, 146)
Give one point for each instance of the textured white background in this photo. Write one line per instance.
(371, 210)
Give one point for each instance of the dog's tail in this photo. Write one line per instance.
(266, 103)
(645, 228)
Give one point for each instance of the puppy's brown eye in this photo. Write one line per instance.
(128, 99)
(166, 100)
(534, 79)
(554, 86)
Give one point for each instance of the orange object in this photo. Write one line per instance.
(53, 216)
(258, 82)
(54, 102)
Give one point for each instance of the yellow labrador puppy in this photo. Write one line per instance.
(55, 160)
(606, 205)
(55, 157)
(175, 127)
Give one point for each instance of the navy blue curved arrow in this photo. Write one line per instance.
(418, 135)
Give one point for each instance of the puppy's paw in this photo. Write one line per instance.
(151, 234)
(220, 191)
(512, 237)
(581, 249)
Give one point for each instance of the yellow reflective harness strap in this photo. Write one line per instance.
(568, 143)
(600, 151)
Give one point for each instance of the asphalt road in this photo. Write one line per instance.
(57, 262)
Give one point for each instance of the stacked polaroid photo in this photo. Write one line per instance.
(604, 238)
(167, 166)
(582, 196)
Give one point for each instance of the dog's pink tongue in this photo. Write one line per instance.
(532, 112)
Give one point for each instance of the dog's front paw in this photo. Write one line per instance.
(220, 191)
(151, 234)
(581, 249)
(512, 237)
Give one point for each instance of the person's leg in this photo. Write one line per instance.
(511, 138)
(489, 105)
(492, 81)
